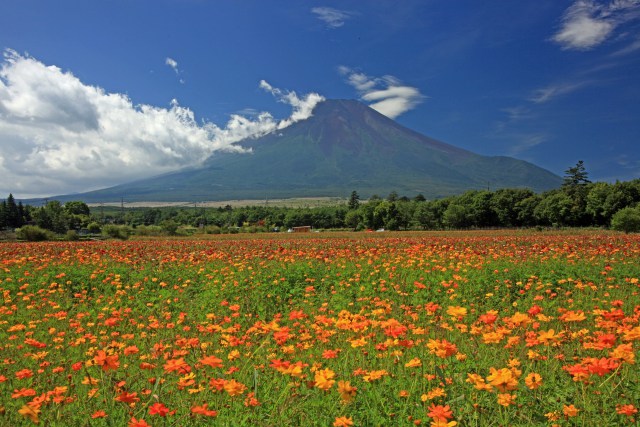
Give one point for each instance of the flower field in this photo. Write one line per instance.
(346, 329)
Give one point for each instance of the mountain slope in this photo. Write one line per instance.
(344, 146)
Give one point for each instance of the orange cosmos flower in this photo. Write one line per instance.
(107, 362)
(573, 316)
(624, 352)
(98, 414)
(217, 384)
(440, 412)
(343, 422)
(552, 416)
(202, 410)
(132, 349)
(533, 381)
(330, 354)
(570, 410)
(347, 392)
(506, 399)
(502, 379)
(492, 337)
(489, 317)
(23, 392)
(442, 348)
(374, 375)
(324, 379)
(413, 363)
(251, 400)
(30, 412)
(158, 409)
(187, 380)
(456, 312)
(234, 388)
(436, 392)
(126, 397)
(178, 365)
(478, 382)
(24, 373)
(628, 410)
(601, 366)
(549, 337)
(212, 361)
(138, 423)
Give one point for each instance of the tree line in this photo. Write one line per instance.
(577, 203)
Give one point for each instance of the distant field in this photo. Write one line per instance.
(507, 328)
(302, 202)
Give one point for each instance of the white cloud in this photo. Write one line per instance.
(550, 92)
(635, 45)
(59, 135)
(302, 108)
(525, 141)
(334, 18)
(174, 66)
(387, 95)
(587, 23)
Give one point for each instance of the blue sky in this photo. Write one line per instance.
(95, 93)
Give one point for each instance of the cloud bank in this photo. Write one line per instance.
(387, 95)
(334, 18)
(587, 23)
(59, 135)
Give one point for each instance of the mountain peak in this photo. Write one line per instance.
(344, 146)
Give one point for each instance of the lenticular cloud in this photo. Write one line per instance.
(387, 95)
(59, 135)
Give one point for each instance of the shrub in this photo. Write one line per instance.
(149, 230)
(627, 220)
(121, 232)
(212, 229)
(72, 235)
(93, 228)
(33, 233)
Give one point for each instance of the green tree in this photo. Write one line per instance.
(52, 217)
(405, 210)
(456, 216)
(352, 219)
(425, 216)
(555, 208)
(627, 220)
(169, 226)
(526, 210)
(386, 215)
(595, 203)
(3, 215)
(12, 215)
(506, 203)
(77, 207)
(354, 200)
(575, 185)
(576, 175)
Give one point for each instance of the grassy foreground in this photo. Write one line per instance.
(353, 329)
